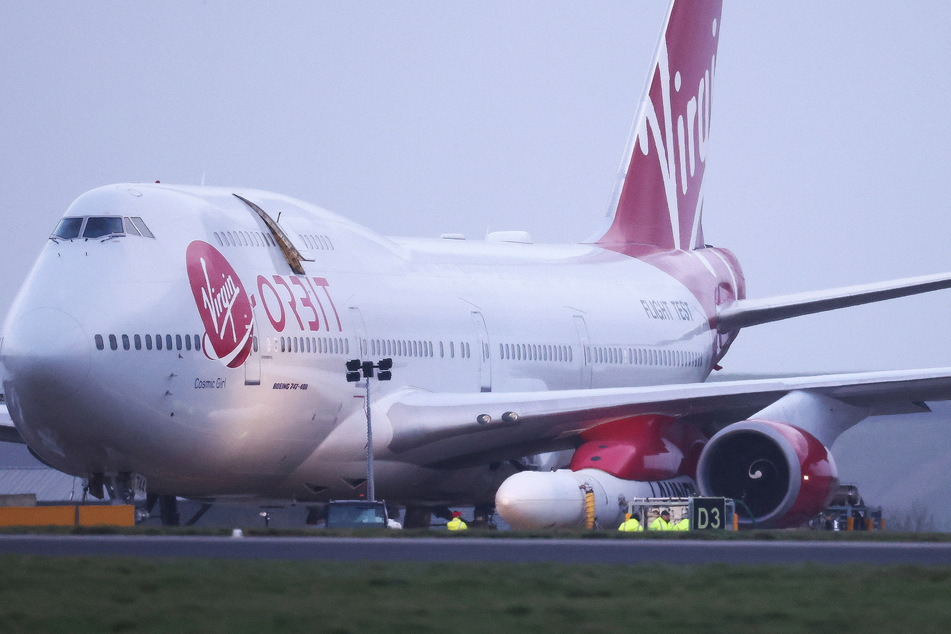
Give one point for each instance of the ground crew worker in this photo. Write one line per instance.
(662, 523)
(630, 524)
(683, 525)
(456, 523)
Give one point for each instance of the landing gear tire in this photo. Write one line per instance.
(418, 517)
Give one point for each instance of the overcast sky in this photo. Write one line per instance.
(827, 166)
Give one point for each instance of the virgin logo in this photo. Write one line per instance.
(224, 305)
(667, 157)
(681, 143)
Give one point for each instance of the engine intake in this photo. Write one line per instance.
(780, 472)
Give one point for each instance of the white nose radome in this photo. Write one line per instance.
(47, 350)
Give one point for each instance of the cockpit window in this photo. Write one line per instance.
(129, 227)
(91, 227)
(140, 225)
(68, 228)
(99, 226)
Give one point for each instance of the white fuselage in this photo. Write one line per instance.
(455, 316)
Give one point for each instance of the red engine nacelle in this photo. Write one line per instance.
(782, 473)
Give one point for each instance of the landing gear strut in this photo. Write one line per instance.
(482, 516)
(168, 508)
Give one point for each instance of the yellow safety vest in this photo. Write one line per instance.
(630, 525)
(683, 525)
(660, 524)
(456, 524)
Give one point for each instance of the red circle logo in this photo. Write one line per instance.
(224, 305)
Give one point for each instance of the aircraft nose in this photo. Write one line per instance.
(46, 354)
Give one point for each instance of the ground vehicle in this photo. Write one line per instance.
(358, 514)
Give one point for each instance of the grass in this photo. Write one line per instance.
(745, 535)
(122, 594)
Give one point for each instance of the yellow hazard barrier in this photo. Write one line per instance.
(71, 515)
(121, 515)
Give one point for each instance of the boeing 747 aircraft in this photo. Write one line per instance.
(194, 339)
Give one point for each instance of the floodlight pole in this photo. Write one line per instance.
(370, 489)
(354, 368)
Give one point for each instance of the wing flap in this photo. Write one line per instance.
(439, 427)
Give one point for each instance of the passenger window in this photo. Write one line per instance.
(178, 342)
(113, 344)
(168, 342)
(148, 342)
(100, 345)
(197, 342)
(68, 228)
(138, 342)
(125, 342)
(158, 342)
(188, 342)
(97, 227)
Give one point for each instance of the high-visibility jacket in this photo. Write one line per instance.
(630, 525)
(683, 525)
(660, 524)
(456, 524)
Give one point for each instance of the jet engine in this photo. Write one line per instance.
(782, 474)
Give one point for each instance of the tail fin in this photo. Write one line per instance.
(658, 195)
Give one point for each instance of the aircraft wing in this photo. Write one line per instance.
(454, 429)
(750, 312)
(8, 433)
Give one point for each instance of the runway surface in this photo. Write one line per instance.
(483, 550)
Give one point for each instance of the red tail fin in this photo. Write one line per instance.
(658, 194)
